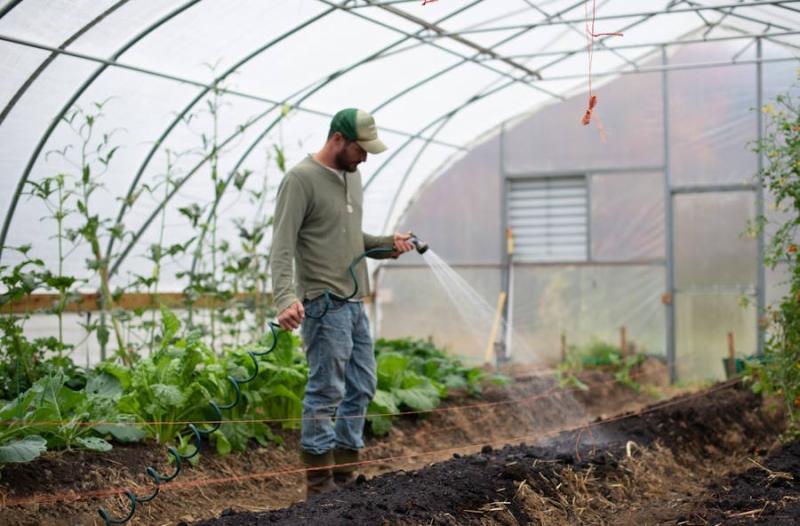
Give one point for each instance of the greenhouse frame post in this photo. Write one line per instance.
(761, 278)
(504, 270)
(589, 255)
(668, 230)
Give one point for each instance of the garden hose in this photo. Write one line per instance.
(330, 297)
(197, 432)
(236, 383)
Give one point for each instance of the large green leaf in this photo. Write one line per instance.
(420, 398)
(391, 365)
(120, 372)
(223, 445)
(104, 385)
(282, 391)
(384, 402)
(19, 407)
(169, 326)
(455, 381)
(121, 432)
(23, 450)
(409, 379)
(93, 443)
(129, 403)
(381, 425)
(168, 395)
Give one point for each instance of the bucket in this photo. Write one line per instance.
(738, 367)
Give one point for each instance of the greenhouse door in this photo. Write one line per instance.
(715, 273)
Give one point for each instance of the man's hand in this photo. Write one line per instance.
(291, 317)
(401, 244)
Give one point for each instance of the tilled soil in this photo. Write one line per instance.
(67, 488)
(650, 467)
(767, 493)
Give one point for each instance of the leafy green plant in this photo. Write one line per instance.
(415, 374)
(176, 384)
(52, 191)
(23, 361)
(778, 372)
(598, 355)
(172, 386)
(52, 415)
(275, 394)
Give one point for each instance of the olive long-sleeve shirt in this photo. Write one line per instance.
(317, 227)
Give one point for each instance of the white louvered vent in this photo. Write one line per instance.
(549, 218)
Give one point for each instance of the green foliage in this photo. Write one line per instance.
(23, 361)
(53, 412)
(182, 373)
(172, 386)
(598, 355)
(176, 384)
(414, 374)
(22, 450)
(92, 159)
(779, 371)
(276, 393)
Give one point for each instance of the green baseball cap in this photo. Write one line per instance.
(359, 126)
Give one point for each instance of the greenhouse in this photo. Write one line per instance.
(566, 292)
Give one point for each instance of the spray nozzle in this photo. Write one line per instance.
(421, 246)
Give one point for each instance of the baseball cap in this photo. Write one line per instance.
(359, 126)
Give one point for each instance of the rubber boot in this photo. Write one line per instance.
(344, 476)
(320, 478)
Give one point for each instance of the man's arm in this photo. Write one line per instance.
(371, 242)
(399, 243)
(290, 208)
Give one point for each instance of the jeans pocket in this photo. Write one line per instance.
(321, 305)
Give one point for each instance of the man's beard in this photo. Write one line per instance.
(342, 164)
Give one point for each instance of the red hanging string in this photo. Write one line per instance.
(591, 35)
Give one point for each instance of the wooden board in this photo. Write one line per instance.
(89, 302)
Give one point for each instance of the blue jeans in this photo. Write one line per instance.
(342, 376)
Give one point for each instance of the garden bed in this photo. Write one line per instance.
(657, 466)
(68, 487)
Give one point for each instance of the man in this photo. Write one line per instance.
(317, 227)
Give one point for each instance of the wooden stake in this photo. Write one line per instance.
(563, 347)
(731, 356)
(501, 301)
(623, 342)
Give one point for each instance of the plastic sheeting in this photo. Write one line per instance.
(712, 128)
(627, 222)
(585, 303)
(629, 112)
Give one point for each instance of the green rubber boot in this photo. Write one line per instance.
(344, 476)
(319, 477)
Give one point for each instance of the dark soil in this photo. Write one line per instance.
(768, 493)
(526, 484)
(82, 469)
